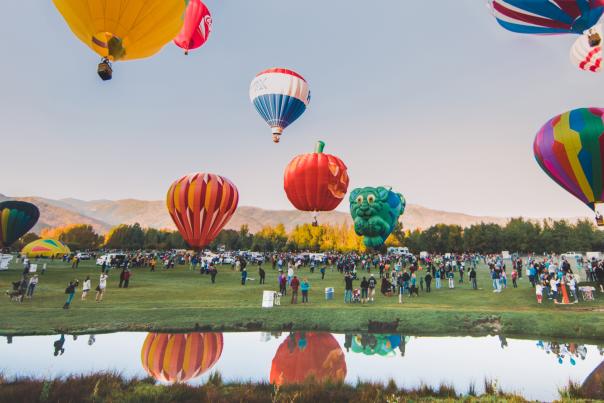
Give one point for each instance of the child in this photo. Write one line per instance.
(514, 278)
(539, 292)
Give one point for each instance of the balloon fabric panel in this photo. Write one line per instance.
(547, 16)
(16, 219)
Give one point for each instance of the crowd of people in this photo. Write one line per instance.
(399, 275)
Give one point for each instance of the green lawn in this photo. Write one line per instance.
(180, 300)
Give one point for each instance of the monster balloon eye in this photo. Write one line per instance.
(370, 199)
(359, 199)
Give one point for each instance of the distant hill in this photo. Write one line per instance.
(104, 214)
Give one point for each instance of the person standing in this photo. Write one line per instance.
(31, 286)
(322, 272)
(70, 291)
(539, 292)
(243, 276)
(428, 279)
(290, 272)
(514, 278)
(213, 273)
(348, 288)
(305, 287)
(372, 283)
(473, 278)
(261, 273)
(122, 278)
(364, 290)
(100, 289)
(85, 288)
(152, 264)
(294, 284)
(127, 275)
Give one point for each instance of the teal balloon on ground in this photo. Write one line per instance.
(375, 212)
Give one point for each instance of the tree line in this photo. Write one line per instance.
(518, 235)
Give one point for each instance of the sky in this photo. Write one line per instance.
(431, 98)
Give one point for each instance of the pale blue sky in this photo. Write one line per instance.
(430, 97)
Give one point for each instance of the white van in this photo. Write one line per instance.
(398, 250)
(109, 257)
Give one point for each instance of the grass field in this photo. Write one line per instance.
(180, 300)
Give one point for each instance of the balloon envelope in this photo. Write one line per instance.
(196, 28)
(45, 248)
(585, 56)
(16, 219)
(200, 205)
(316, 181)
(121, 30)
(180, 357)
(308, 355)
(547, 16)
(569, 149)
(280, 96)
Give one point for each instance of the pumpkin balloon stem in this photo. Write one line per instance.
(319, 147)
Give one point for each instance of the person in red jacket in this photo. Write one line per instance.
(294, 284)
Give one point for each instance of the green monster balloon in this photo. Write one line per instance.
(375, 212)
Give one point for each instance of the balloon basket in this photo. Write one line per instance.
(104, 70)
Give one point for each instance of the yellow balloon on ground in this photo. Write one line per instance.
(45, 248)
(123, 30)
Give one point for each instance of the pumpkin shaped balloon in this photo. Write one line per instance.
(316, 181)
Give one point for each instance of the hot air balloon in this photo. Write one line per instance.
(280, 97)
(586, 52)
(308, 355)
(200, 205)
(120, 30)
(375, 212)
(196, 28)
(177, 358)
(16, 219)
(593, 386)
(547, 17)
(45, 248)
(569, 149)
(316, 181)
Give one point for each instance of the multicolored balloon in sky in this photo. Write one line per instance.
(178, 358)
(316, 181)
(569, 148)
(280, 97)
(123, 30)
(308, 355)
(16, 219)
(375, 212)
(547, 16)
(196, 28)
(200, 205)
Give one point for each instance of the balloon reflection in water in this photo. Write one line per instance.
(180, 357)
(380, 344)
(308, 355)
(593, 386)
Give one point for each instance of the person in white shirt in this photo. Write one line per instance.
(100, 290)
(539, 292)
(85, 288)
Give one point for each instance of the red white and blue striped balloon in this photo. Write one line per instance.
(280, 97)
(547, 17)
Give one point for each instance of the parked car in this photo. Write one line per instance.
(109, 257)
(83, 255)
(572, 255)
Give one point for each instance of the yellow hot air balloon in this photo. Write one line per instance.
(123, 30)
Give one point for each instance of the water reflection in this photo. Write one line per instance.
(180, 357)
(594, 384)
(380, 344)
(305, 355)
(292, 357)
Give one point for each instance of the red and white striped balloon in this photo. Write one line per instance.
(200, 205)
(585, 56)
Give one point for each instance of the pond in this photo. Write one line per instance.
(535, 369)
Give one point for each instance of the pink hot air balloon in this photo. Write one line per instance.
(196, 28)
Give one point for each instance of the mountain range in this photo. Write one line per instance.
(104, 214)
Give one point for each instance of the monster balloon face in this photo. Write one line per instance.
(375, 212)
